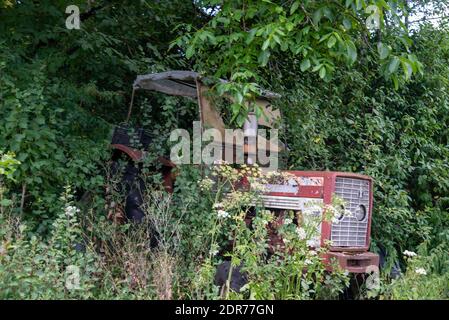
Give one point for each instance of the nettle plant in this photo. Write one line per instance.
(272, 250)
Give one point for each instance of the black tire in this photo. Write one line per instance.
(238, 279)
(132, 186)
(395, 271)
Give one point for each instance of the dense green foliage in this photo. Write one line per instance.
(359, 124)
(352, 100)
(243, 37)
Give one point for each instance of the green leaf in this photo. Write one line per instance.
(328, 13)
(263, 57)
(347, 23)
(331, 42)
(413, 62)
(393, 65)
(322, 72)
(266, 44)
(189, 52)
(235, 108)
(317, 15)
(294, 7)
(351, 51)
(395, 82)
(305, 65)
(406, 66)
(383, 50)
(317, 67)
(251, 35)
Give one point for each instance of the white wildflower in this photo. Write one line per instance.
(220, 162)
(217, 205)
(288, 221)
(271, 174)
(312, 243)
(258, 187)
(213, 252)
(409, 253)
(71, 210)
(301, 233)
(206, 184)
(314, 210)
(331, 210)
(312, 252)
(421, 271)
(308, 261)
(222, 214)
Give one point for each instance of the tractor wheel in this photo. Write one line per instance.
(238, 279)
(132, 187)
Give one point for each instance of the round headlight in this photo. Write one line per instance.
(341, 212)
(360, 213)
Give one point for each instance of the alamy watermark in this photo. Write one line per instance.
(373, 20)
(72, 281)
(73, 20)
(236, 146)
(372, 281)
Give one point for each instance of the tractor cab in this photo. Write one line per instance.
(133, 143)
(212, 109)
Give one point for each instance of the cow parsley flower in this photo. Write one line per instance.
(347, 213)
(421, 271)
(409, 253)
(288, 221)
(301, 233)
(206, 184)
(258, 187)
(308, 262)
(71, 210)
(222, 214)
(312, 243)
(314, 210)
(217, 205)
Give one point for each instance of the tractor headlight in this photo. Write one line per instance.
(360, 213)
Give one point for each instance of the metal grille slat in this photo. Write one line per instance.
(350, 232)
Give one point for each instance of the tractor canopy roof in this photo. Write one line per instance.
(192, 84)
(181, 83)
